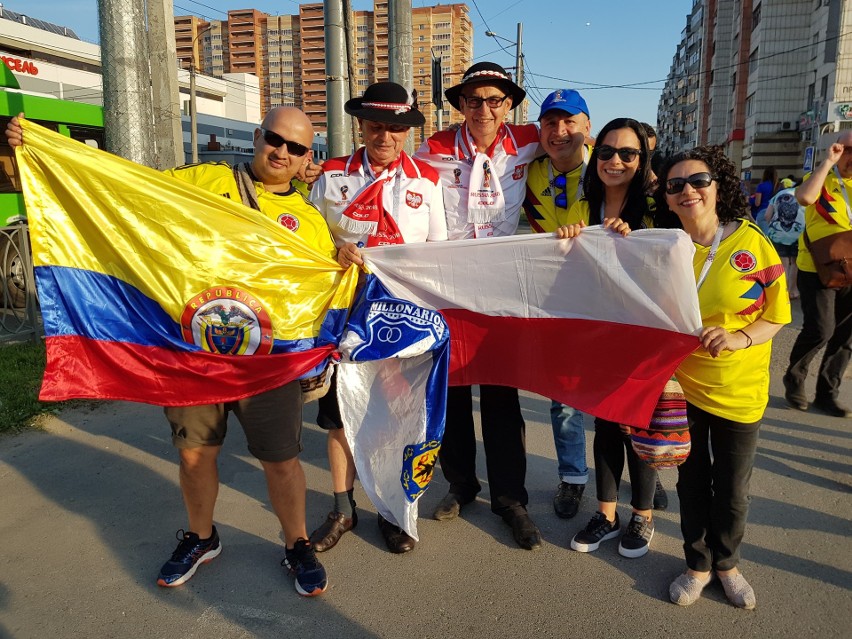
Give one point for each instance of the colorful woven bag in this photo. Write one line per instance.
(665, 442)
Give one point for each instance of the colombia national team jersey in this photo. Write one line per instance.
(822, 218)
(746, 282)
(289, 209)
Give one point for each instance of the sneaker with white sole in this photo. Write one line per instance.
(187, 557)
(301, 562)
(637, 538)
(597, 530)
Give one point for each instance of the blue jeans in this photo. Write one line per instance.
(569, 437)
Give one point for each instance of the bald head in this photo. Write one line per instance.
(284, 132)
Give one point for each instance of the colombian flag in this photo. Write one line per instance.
(155, 291)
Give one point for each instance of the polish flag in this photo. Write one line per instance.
(599, 322)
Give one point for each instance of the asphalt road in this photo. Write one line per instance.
(90, 504)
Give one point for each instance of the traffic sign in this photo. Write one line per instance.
(809, 159)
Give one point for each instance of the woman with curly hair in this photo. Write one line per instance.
(742, 294)
(615, 196)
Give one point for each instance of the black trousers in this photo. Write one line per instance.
(827, 322)
(610, 448)
(713, 489)
(504, 436)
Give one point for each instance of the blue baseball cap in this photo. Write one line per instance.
(567, 100)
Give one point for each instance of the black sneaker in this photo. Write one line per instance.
(566, 503)
(302, 563)
(637, 538)
(187, 557)
(597, 530)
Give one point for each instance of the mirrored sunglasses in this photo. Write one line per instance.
(561, 199)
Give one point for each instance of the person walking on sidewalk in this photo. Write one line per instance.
(742, 296)
(827, 312)
(483, 172)
(409, 208)
(272, 420)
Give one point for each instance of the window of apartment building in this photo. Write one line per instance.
(442, 25)
(272, 32)
(422, 26)
(749, 105)
(286, 32)
(823, 87)
(362, 28)
(363, 83)
(441, 36)
(814, 45)
(755, 17)
(753, 60)
(363, 72)
(362, 38)
(287, 74)
(421, 38)
(734, 82)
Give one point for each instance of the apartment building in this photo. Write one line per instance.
(287, 53)
(773, 81)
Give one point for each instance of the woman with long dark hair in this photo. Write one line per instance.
(615, 196)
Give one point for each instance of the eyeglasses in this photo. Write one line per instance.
(293, 148)
(475, 102)
(696, 181)
(626, 154)
(561, 199)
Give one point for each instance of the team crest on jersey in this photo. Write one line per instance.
(518, 174)
(289, 221)
(743, 261)
(228, 321)
(413, 200)
(418, 465)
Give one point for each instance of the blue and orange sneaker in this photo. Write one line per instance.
(187, 557)
(302, 563)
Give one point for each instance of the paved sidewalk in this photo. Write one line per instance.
(90, 505)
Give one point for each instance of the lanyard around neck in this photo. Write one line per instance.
(714, 247)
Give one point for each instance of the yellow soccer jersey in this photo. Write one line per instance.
(746, 282)
(580, 212)
(540, 199)
(289, 209)
(822, 218)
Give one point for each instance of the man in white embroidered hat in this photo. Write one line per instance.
(483, 167)
(403, 203)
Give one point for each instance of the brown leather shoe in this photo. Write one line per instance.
(396, 538)
(450, 506)
(326, 536)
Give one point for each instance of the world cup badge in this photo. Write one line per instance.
(457, 176)
(228, 321)
(343, 191)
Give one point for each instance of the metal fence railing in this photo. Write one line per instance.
(19, 317)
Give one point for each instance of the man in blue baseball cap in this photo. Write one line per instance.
(554, 183)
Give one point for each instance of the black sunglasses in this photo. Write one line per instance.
(626, 154)
(476, 102)
(561, 199)
(293, 148)
(696, 181)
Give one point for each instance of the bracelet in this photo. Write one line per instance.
(747, 336)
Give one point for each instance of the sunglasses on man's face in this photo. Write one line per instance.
(561, 199)
(626, 154)
(696, 181)
(293, 148)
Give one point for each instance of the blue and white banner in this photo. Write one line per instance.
(392, 391)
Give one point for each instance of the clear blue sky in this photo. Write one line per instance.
(566, 43)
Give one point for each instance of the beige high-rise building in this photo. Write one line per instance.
(287, 53)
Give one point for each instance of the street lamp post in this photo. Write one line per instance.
(193, 115)
(519, 66)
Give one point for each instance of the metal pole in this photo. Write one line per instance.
(161, 40)
(193, 112)
(336, 83)
(401, 51)
(519, 73)
(128, 115)
(349, 30)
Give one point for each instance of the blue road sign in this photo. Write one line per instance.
(809, 159)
